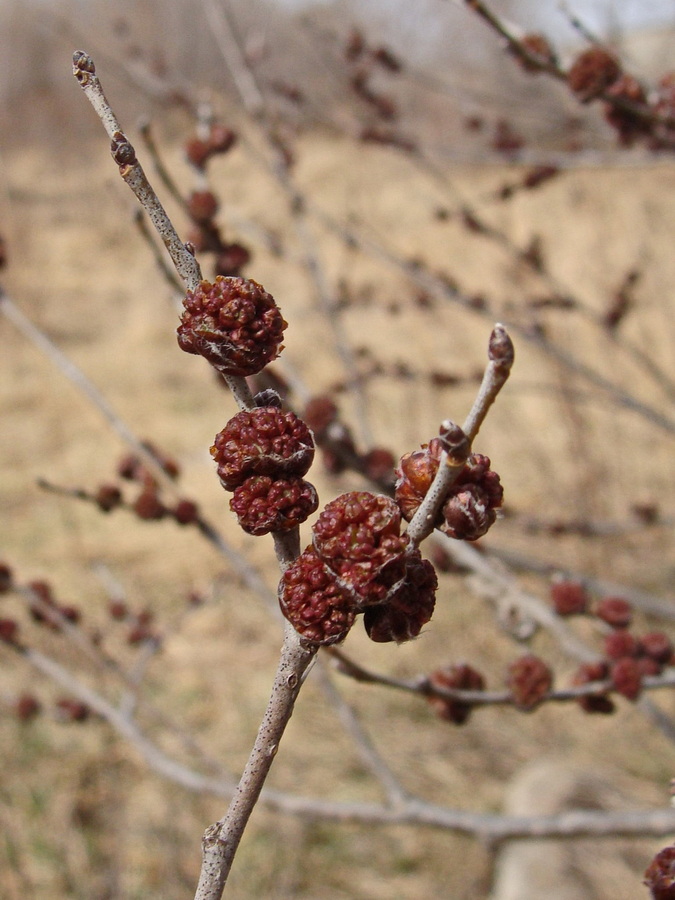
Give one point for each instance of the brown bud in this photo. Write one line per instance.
(569, 598)
(529, 680)
(6, 578)
(458, 677)
(592, 73)
(616, 611)
(9, 631)
(660, 875)
(26, 707)
(626, 677)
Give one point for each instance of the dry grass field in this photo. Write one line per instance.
(81, 814)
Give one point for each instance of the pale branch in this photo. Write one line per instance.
(157, 161)
(513, 38)
(253, 102)
(519, 611)
(501, 355)
(457, 441)
(221, 840)
(422, 686)
(489, 827)
(75, 375)
(420, 275)
(125, 726)
(132, 172)
(244, 78)
(363, 745)
(645, 601)
(91, 650)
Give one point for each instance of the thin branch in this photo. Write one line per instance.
(374, 762)
(427, 280)
(221, 840)
(485, 826)
(421, 685)
(132, 172)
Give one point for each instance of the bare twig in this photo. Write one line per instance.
(221, 840)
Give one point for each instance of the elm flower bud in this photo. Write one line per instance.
(233, 323)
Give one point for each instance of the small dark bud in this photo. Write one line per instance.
(657, 646)
(122, 150)
(569, 598)
(660, 875)
(118, 609)
(72, 710)
(9, 631)
(185, 512)
(620, 643)
(6, 578)
(26, 707)
(529, 680)
(458, 677)
(592, 73)
(148, 506)
(626, 677)
(593, 703)
(537, 46)
(319, 412)
(108, 497)
(455, 443)
(500, 347)
(202, 206)
(615, 611)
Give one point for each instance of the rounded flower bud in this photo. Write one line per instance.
(408, 608)
(529, 680)
(263, 504)
(415, 473)
(615, 611)
(459, 677)
(627, 677)
(202, 206)
(592, 72)
(657, 646)
(593, 703)
(312, 601)
(233, 323)
(628, 125)
(231, 259)
(569, 597)
(472, 501)
(357, 536)
(538, 46)
(262, 441)
(619, 643)
(358, 526)
(660, 875)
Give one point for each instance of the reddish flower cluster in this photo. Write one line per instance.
(359, 562)
(660, 875)
(262, 455)
(569, 597)
(472, 502)
(592, 72)
(199, 150)
(459, 677)
(628, 658)
(262, 441)
(233, 323)
(529, 680)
